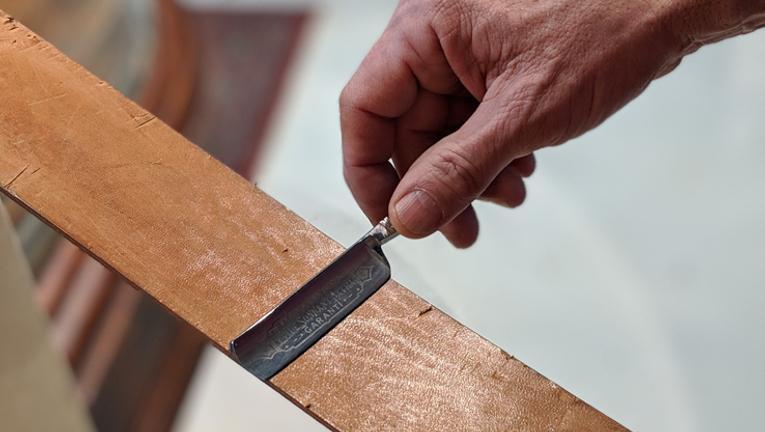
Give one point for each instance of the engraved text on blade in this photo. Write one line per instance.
(315, 317)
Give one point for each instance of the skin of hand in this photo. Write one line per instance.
(458, 94)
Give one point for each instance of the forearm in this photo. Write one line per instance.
(700, 22)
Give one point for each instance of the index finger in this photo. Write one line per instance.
(381, 90)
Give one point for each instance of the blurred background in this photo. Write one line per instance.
(634, 275)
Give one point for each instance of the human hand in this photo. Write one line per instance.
(459, 93)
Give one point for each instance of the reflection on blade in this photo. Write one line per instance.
(313, 310)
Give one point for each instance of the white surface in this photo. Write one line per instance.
(224, 397)
(632, 276)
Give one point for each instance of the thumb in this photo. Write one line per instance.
(450, 175)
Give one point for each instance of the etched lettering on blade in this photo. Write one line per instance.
(292, 330)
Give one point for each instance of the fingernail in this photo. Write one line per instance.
(418, 212)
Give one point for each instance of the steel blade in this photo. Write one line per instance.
(308, 314)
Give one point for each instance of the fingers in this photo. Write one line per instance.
(431, 117)
(525, 166)
(427, 121)
(462, 232)
(507, 189)
(395, 107)
(420, 128)
(446, 178)
(383, 89)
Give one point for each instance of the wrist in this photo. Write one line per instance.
(699, 22)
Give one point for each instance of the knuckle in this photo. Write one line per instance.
(347, 174)
(521, 115)
(518, 196)
(449, 17)
(345, 96)
(463, 177)
(451, 11)
(347, 104)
